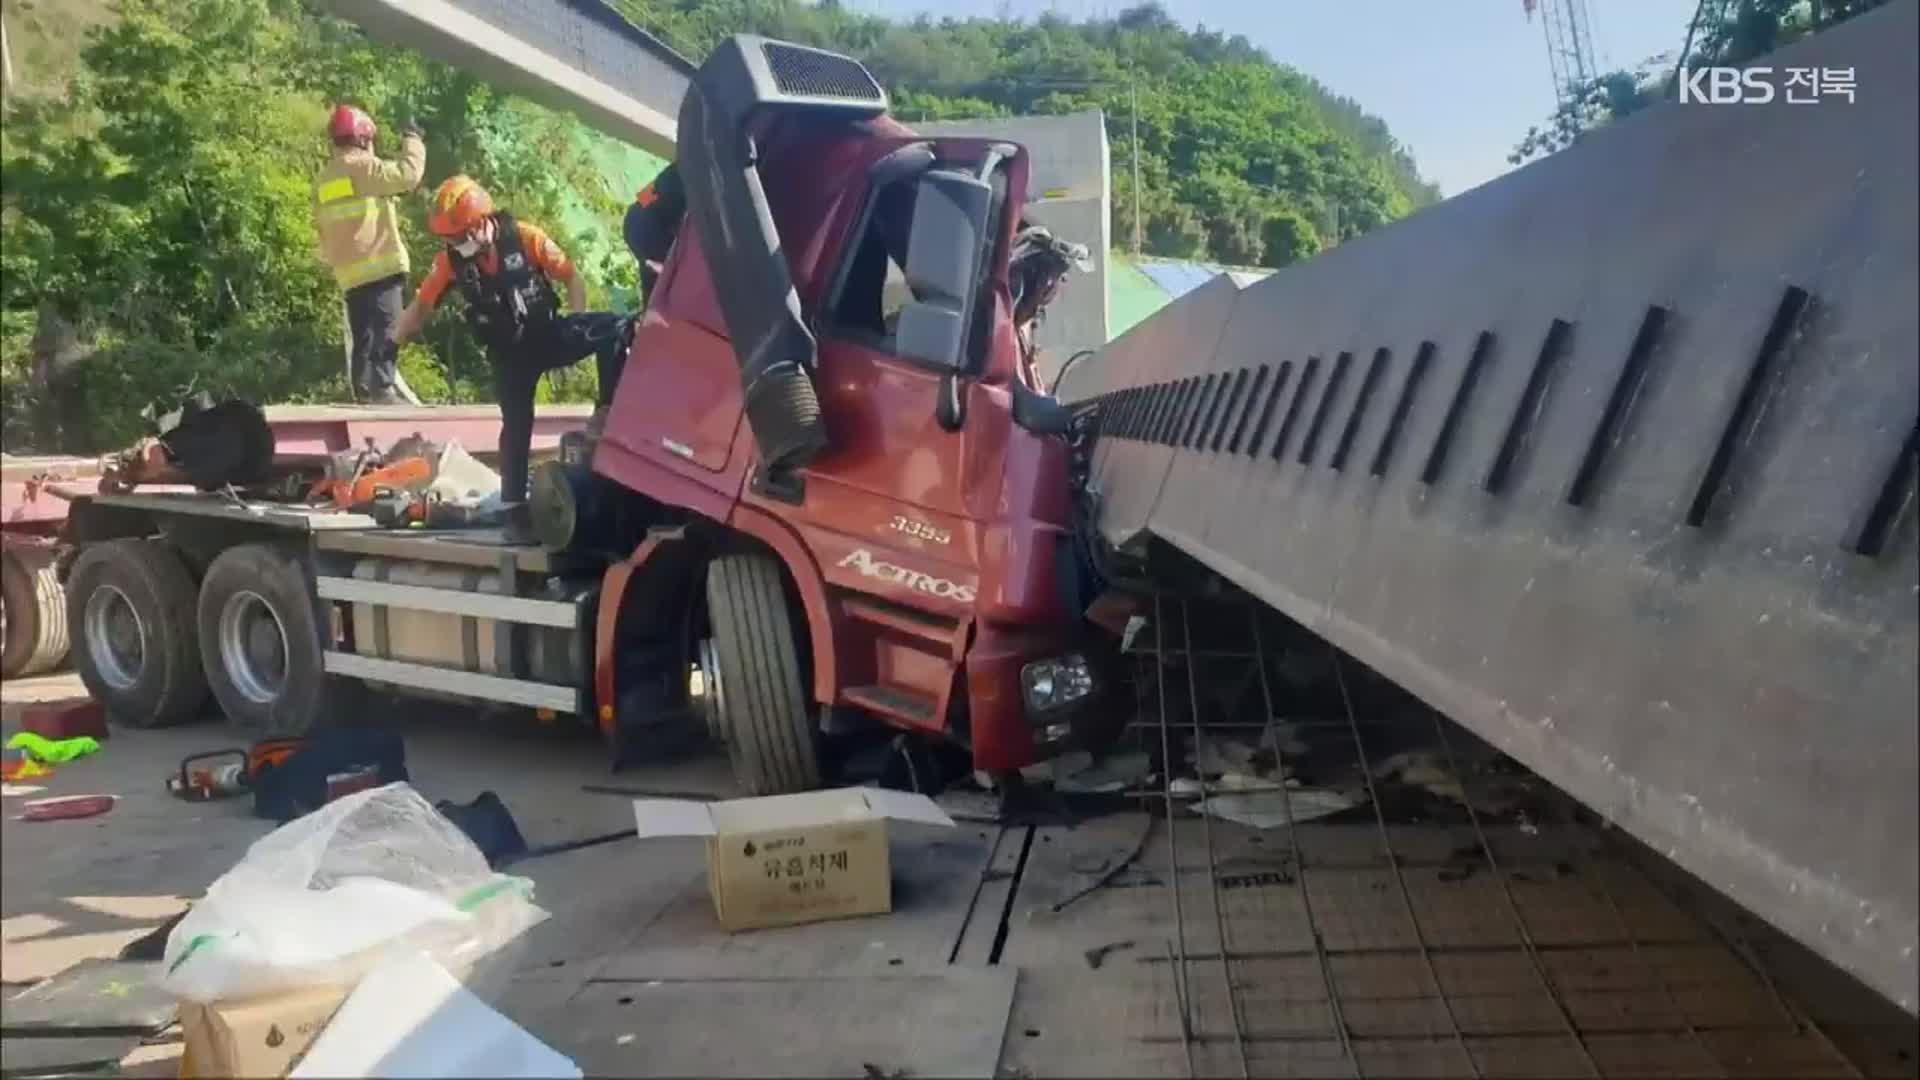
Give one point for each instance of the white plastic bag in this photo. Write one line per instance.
(322, 899)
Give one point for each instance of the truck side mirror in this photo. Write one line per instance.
(950, 212)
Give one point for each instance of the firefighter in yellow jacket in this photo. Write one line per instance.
(359, 239)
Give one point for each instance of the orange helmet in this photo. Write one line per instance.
(458, 206)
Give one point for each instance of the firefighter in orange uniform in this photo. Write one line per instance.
(505, 271)
(359, 239)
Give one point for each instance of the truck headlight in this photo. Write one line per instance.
(1049, 684)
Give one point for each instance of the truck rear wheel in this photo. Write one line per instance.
(260, 641)
(760, 700)
(33, 614)
(132, 604)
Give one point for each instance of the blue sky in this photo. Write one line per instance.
(1459, 82)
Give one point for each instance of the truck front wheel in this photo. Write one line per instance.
(131, 603)
(260, 641)
(761, 702)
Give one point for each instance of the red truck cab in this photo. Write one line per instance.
(912, 488)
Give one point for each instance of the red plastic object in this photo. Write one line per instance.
(65, 719)
(66, 807)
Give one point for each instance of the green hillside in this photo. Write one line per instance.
(1242, 160)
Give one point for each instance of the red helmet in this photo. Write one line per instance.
(458, 206)
(350, 123)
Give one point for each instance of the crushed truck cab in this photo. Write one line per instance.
(828, 377)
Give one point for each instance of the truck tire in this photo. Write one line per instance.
(33, 614)
(764, 712)
(130, 603)
(260, 642)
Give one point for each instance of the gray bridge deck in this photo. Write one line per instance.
(1611, 460)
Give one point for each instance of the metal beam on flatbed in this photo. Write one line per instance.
(1629, 490)
(578, 56)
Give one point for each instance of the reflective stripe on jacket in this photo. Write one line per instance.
(353, 215)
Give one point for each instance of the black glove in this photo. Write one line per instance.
(414, 129)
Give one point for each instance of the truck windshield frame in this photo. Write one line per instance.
(871, 328)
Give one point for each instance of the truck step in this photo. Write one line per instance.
(898, 703)
(946, 635)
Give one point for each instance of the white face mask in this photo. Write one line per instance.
(467, 248)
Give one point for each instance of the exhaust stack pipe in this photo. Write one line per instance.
(748, 82)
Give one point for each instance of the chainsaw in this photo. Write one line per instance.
(400, 508)
(352, 478)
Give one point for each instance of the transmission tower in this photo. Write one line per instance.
(1569, 34)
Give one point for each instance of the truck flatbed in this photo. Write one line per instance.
(346, 532)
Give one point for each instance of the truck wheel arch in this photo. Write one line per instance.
(811, 587)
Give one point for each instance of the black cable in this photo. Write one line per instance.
(1062, 373)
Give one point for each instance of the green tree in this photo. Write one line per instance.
(1288, 237)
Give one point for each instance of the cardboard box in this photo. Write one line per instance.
(266, 1036)
(788, 859)
(260, 1036)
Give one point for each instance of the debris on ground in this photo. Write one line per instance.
(1084, 776)
(67, 807)
(1278, 809)
(971, 806)
(152, 945)
(53, 751)
(291, 777)
(1097, 955)
(1113, 871)
(321, 900)
(19, 765)
(65, 719)
(215, 774)
(1220, 755)
(93, 997)
(65, 1055)
(1188, 787)
(263, 961)
(1484, 782)
(490, 826)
